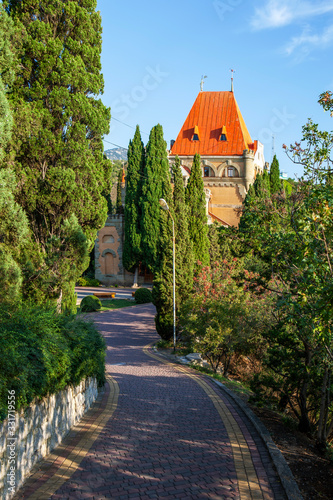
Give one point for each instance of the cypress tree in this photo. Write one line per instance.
(157, 229)
(7, 66)
(119, 202)
(274, 176)
(184, 250)
(132, 253)
(196, 202)
(156, 185)
(59, 124)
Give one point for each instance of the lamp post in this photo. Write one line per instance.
(165, 206)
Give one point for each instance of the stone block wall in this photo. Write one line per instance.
(38, 430)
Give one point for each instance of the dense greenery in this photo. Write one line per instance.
(42, 352)
(275, 305)
(57, 154)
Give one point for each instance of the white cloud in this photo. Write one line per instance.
(307, 41)
(278, 13)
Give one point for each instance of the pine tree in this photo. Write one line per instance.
(184, 250)
(59, 124)
(132, 253)
(156, 185)
(196, 202)
(274, 176)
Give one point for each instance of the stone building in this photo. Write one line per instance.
(230, 162)
(230, 159)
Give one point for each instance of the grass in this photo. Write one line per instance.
(109, 304)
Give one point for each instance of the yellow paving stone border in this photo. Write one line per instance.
(74, 459)
(248, 482)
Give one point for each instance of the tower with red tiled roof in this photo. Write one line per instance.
(216, 130)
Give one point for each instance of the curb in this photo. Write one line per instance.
(287, 479)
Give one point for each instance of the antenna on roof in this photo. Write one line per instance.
(202, 82)
(232, 79)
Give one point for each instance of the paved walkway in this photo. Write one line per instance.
(160, 430)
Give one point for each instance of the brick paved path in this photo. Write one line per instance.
(170, 434)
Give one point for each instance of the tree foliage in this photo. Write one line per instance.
(132, 252)
(184, 247)
(274, 176)
(197, 219)
(156, 225)
(59, 121)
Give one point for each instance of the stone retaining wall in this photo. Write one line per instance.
(38, 430)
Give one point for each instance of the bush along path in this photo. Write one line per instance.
(160, 431)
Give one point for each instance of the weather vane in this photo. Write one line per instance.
(202, 82)
(232, 79)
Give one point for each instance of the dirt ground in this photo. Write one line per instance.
(312, 472)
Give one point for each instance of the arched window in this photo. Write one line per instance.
(231, 172)
(108, 238)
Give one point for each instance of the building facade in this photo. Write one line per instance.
(230, 159)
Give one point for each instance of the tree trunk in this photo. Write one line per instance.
(135, 279)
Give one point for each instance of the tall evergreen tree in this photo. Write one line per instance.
(119, 201)
(184, 249)
(157, 229)
(196, 202)
(7, 66)
(274, 176)
(59, 124)
(132, 253)
(156, 185)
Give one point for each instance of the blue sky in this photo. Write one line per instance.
(154, 54)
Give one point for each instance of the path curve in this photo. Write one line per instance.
(170, 433)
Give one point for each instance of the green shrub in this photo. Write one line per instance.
(42, 352)
(69, 299)
(143, 296)
(90, 304)
(86, 281)
(87, 349)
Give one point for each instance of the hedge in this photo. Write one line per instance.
(42, 352)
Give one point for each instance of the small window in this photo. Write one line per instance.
(231, 172)
(206, 172)
(195, 137)
(223, 137)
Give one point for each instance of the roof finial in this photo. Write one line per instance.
(202, 82)
(232, 79)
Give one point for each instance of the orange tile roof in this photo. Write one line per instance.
(211, 112)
